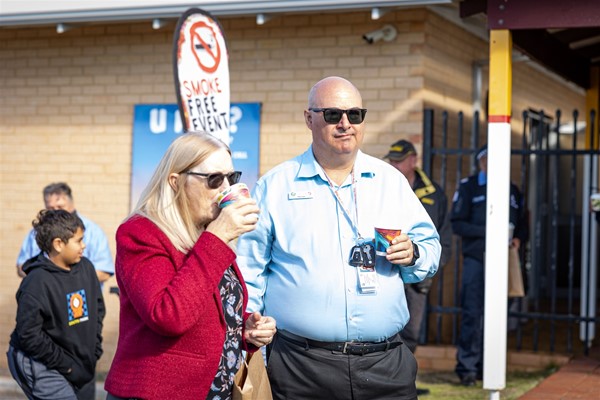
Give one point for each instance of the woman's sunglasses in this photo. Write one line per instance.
(215, 181)
(334, 115)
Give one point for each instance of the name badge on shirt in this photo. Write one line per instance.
(300, 195)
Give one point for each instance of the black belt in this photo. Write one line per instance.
(352, 347)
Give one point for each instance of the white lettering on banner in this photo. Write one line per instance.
(158, 120)
(178, 125)
(239, 155)
(157, 123)
(234, 116)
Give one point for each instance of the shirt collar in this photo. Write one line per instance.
(309, 167)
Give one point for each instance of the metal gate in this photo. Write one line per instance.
(555, 170)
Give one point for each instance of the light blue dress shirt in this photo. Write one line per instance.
(96, 247)
(295, 263)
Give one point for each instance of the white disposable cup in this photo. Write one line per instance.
(232, 193)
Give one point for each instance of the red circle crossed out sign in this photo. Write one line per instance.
(207, 52)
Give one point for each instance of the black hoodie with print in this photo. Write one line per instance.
(59, 318)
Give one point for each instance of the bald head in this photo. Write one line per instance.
(332, 86)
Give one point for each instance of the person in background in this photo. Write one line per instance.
(468, 217)
(310, 262)
(403, 157)
(57, 340)
(58, 196)
(183, 323)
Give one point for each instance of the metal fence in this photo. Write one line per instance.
(556, 171)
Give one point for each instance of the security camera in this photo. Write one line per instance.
(386, 33)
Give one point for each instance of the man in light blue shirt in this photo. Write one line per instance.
(310, 261)
(58, 196)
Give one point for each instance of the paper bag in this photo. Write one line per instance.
(251, 382)
(515, 278)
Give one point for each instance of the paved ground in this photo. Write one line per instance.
(577, 380)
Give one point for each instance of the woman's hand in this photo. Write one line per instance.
(235, 219)
(259, 330)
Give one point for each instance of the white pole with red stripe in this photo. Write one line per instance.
(497, 218)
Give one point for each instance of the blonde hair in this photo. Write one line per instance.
(169, 208)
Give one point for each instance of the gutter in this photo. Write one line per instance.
(31, 13)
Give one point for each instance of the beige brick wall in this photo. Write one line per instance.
(66, 104)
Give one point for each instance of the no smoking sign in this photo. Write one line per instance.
(205, 46)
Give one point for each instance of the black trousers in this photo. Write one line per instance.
(300, 372)
(416, 302)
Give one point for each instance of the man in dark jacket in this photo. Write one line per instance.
(403, 157)
(468, 218)
(58, 336)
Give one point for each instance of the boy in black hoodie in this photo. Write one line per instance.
(58, 337)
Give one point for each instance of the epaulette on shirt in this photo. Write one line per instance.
(425, 190)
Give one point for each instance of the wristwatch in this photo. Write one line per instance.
(416, 255)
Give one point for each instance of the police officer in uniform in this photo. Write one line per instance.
(403, 157)
(468, 221)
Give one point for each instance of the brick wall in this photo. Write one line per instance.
(67, 100)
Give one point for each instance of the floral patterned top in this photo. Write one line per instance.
(231, 359)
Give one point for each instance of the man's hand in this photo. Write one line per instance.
(400, 251)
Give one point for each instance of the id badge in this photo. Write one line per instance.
(367, 279)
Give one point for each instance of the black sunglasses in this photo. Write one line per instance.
(334, 115)
(216, 180)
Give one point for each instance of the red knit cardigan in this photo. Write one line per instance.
(172, 327)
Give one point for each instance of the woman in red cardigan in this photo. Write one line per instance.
(183, 323)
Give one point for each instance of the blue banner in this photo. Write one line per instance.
(155, 126)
